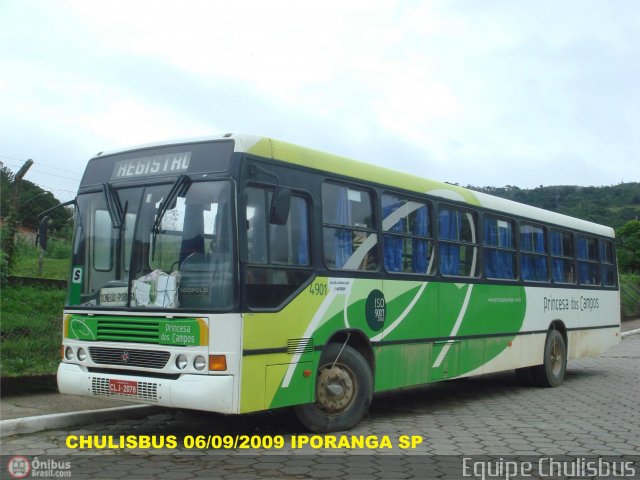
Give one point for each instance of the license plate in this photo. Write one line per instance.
(123, 387)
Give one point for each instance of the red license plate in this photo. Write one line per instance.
(123, 387)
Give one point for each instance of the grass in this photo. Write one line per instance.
(56, 268)
(30, 331)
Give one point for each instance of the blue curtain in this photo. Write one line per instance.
(300, 219)
(557, 270)
(583, 249)
(420, 247)
(557, 264)
(343, 245)
(541, 260)
(534, 267)
(498, 263)
(491, 256)
(448, 229)
(392, 243)
(505, 263)
(583, 267)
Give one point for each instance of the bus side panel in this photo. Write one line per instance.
(597, 308)
(446, 330)
(590, 331)
(477, 323)
(411, 319)
(288, 343)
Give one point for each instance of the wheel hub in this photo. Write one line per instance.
(556, 359)
(335, 389)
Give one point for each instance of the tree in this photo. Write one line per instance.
(628, 246)
(33, 201)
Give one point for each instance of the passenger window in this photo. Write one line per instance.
(607, 260)
(588, 268)
(350, 241)
(408, 247)
(499, 248)
(533, 258)
(457, 242)
(562, 257)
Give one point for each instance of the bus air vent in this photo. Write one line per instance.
(299, 345)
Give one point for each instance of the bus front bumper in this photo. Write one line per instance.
(213, 393)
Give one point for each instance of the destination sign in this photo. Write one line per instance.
(152, 165)
(163, 161)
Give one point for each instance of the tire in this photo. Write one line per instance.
(343, 391)
(551, 372)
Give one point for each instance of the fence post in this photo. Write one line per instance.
(12, 219)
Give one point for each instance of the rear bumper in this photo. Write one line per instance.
(213, 393)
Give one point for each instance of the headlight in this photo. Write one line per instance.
(199, 363)
(82, 355)
(181, 361)
(68, 353)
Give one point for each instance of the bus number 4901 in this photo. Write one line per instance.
(318, 289)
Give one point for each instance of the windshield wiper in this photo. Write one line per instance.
(178, 189)
(113, 205)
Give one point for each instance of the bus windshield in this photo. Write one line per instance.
(167, 246)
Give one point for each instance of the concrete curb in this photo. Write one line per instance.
(17, 426)
(630, 332)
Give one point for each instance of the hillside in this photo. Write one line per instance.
(613, 205)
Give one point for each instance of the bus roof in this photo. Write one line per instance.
(327, 162)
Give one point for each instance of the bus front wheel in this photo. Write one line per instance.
(551, 372)
(344, 388)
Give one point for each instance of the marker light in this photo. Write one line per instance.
(217, 363)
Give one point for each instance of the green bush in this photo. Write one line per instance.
(60, 249)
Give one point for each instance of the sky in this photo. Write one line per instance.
(485, 93)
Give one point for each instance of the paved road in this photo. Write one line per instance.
(595, 412)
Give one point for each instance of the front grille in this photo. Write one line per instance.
(129, 357)
(141, 330)
(147, 391)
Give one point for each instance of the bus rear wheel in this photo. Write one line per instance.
(551, 372)
(344, 388)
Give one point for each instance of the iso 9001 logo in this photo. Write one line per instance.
(19, 467)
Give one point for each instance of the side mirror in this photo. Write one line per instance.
(280, 206)
(43, 232)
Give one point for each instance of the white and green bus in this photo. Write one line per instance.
(236, 274)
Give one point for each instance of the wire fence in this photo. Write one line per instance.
(31, 328)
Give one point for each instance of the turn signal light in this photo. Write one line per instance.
(217, 363)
